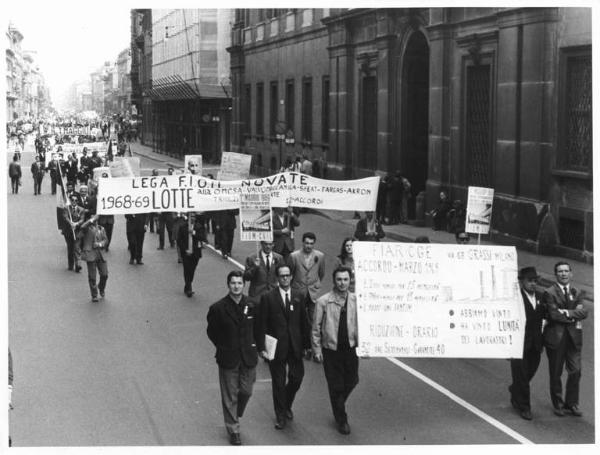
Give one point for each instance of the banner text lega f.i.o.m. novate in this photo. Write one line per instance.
(188, 192)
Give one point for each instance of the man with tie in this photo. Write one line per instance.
(260, 271)
(563, 338)
(284, 223)
(523, 370)
(231, 330)
(308, 269)
(283, 316)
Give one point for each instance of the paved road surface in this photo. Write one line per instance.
(138, 368)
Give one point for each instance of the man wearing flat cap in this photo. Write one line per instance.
(523, 370)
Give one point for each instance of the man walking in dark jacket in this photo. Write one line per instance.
(231, 330)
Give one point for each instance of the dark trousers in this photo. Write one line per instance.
(236, 388)
(225, 240)
(162, 224)
(151, 218)
(569, 354)
(190, 262)
(37, 184)
(53, 182)
(136, 244)
(14, 184)
(102, 268)
(72, 250)
(108, 228)
(522, 371)
(284, 393)
(341, 373)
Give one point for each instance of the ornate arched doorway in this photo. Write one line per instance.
(414, 116)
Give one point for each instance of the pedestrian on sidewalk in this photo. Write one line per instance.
(14, 172)
(93, 240)
(231, 329)
(334, 339)
(191, 254)
(523, 370)
(369, 229)
(563, 338)
(283, 316)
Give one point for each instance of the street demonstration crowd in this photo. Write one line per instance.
(285, 318)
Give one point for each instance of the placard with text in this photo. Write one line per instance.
(438, 300)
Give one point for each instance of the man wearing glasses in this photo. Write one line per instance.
(462, 237)
(523, 370)
(283, 316)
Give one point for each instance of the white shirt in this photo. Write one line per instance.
(283, 294)
(531, 298)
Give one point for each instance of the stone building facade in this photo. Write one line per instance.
(451, 97)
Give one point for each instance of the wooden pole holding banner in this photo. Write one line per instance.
(63, 193)
(191, 218)
(479, 239)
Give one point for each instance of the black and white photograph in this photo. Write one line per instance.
(353, 226)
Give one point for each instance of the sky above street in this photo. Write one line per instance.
(70, 39)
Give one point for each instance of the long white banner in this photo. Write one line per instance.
(190, 193)
(436, 300)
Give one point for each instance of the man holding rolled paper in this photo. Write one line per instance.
(283, 316)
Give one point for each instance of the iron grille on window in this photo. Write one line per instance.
(478, 125)
(578, 102)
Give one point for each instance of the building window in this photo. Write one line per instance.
(260, 109)
(368, 155)
(575, 118)
(247, 109)
(477, 126)
(273, 108)
(289, 104)
(307, 105)
(325, 111)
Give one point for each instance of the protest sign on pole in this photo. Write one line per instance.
(234, 166)
(255, 217)
(193, 164)
(479, 210)
(189, 193)
(438, 300)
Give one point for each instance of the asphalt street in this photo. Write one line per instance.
(137, 369)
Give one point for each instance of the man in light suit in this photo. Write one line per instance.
(523, 370)
(283, 316)
(284, 223)
(260, 271)
(563, 338)
(93, 240)
(308, 269)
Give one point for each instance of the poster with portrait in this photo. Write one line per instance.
(193, 164)
(479, 210)
(255, 217)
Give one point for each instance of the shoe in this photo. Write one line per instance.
(102, 293)
(225, 255)
(280, 424)
(77, 268)
(94, 298)
(189, 293)
(289, 414)
(526, 414)
(140, 262)
(235, 440)
(131, 261)
(560, 412)
(161, 248)
(179, 260)
(344, 428)
(70, 268)
(574, 410)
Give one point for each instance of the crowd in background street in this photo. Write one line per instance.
(286, 299)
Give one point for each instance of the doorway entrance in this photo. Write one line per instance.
(415, 116)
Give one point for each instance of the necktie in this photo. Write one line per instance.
(566, 292)
(268, 264)
(287, 302)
